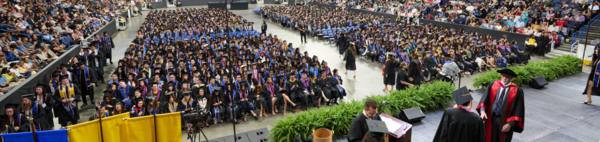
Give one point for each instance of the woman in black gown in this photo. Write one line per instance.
(350, 59)
(592, 87)
(390, 73)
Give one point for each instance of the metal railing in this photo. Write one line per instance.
(583, 31)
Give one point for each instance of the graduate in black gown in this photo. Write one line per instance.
(358, 127)
(389, 74)
(66, 97)
(592, 87)
(460, 124)
(33, 110)
(45, 99)
(12, 121)
(503, 107)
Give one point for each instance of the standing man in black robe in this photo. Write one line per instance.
(359, 127)
(108, 46)
(66, 97)
(302, 29)
(87, 78)
(460, 124)
(503, 107)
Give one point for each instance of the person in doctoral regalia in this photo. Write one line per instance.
(358, 127)
(87, 78)
(66, 97)
(100, 113)
(46, 100)
(99, 69)
(34, 111)
(460, 124)
(12, 121)
(503, 107)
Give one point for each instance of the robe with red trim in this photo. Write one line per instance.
(512, 111)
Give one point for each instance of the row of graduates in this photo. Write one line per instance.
(165, 25)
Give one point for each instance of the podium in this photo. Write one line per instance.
(239, 5)
(403, 134)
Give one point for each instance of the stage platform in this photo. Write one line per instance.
(552, 114)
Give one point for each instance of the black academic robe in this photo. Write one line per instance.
(390, 72)
(460, 126)
(59, 109)
(511, 113)
(49, 102)
(85, 89)
(39, 117)
(167, 107)
(21, 122)
(358, 127)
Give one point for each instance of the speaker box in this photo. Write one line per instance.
(241, 137)
(412, 115)
(259, 135)
(538, 82)
(213, 140)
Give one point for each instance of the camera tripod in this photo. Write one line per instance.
(193, 133)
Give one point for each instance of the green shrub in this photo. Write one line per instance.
(552, 69)
(338, 118)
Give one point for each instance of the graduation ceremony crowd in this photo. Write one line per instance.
(35, 33)
(555, 18)
(428, 48)
(193, 60)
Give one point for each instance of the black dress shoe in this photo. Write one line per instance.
(84, 104)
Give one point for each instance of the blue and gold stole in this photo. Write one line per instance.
(68, 95)
(597, 73)
(87, 76)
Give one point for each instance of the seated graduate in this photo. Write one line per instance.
(258, 100)
(137, 94)
(118, 108)
(216, 100)
(295, 90)
(231, 103)
(461, 124)
(170, 88)
(100, 113)
(13, 121)
(153, 106)
(188, 101)
(108, 101)
(138, 109)
(171, 104)
(339, 82)
(34, 110)
(244, 101)
(270, 96)
(203, 106)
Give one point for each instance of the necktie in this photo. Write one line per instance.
(500, 102)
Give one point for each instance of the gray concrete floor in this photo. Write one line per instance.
(368, 79)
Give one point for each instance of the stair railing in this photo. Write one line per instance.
(583, 31)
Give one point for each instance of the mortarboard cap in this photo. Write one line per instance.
(55, 74)
(508, 72)
(377, 128)
(64, 77)
(30, 96)
(462, 96)
(13, 106)
(187, 93)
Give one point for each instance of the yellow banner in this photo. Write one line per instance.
(141, 129)
(115, 129)
(85, 132)
(169, 127)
